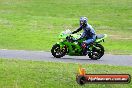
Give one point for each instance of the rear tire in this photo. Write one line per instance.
(97, 52)
(57, 52)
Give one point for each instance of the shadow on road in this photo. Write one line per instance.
(73, 58)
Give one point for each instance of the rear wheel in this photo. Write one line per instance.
(97, 52)
(57, 51)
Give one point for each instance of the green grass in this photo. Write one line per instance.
(34, 25)
(36, 74)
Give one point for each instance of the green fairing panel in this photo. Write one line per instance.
(63, 36)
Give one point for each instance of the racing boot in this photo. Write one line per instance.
(84, 48)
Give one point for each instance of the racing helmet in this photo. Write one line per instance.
(83, 21)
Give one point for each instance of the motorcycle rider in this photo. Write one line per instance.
(88, 33)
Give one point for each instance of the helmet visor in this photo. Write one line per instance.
(81, 22)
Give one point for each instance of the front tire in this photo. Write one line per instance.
(57, 51)
(97, 52)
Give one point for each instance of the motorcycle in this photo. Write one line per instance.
(68, 46)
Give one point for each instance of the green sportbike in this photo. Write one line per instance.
(67, 46)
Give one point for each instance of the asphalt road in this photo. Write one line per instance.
(121, 60)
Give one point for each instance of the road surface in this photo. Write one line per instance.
(121, 60)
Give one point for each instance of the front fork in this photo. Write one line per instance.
(61, 44)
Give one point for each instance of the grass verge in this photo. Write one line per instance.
(35, 74)
(34, 25)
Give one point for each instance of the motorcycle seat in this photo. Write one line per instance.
(99, 36)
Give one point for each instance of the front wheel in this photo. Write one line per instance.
(97, 52)
(57, 51)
